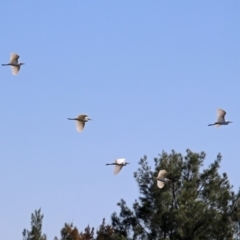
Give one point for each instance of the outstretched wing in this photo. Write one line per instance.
(79, 125)
(117, 169)
(160, 184)
(162, 174)
(14, 58)
(221, 115)
(15, 70)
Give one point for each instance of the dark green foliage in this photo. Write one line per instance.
(106, 232)
(36, 227)
(197, 205)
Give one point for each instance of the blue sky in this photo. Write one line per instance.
(150, 74)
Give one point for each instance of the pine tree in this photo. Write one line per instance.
(105, 232)
(69, 232)
(197, 205)
(36, 227)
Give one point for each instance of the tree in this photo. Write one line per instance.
(196, 205)
(36, 227)
(69, 232)
(105, 232)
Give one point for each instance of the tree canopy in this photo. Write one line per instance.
(198, 204)
(69, 232)
(36, 227)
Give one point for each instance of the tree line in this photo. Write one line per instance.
(198, 204)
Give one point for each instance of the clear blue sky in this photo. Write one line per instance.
(150, 74)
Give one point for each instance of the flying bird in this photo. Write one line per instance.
(161, 178)
(80, 121)
(119, 163)
(15, 65)
(220, 119)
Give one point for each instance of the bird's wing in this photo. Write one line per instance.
(14, 58)
(160, 184)
(218, 125)
(221, 115)
(162, 174)
(120, 160)
(79, 125)
(117, 169)
(15, 70)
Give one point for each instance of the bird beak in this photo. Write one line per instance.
(89, 119)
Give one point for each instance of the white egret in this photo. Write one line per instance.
(80, 121)
(119, 163)
(15, 65)
(220, 119)
(161, 178)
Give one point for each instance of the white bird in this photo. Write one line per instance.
(119, 163)
(15, 65)
(80, 121)
(161, 178)
(220, 119)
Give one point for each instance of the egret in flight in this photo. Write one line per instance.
(80, 121)
(161, 178)
(15, 65)
(119, 163)
(220, 119)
